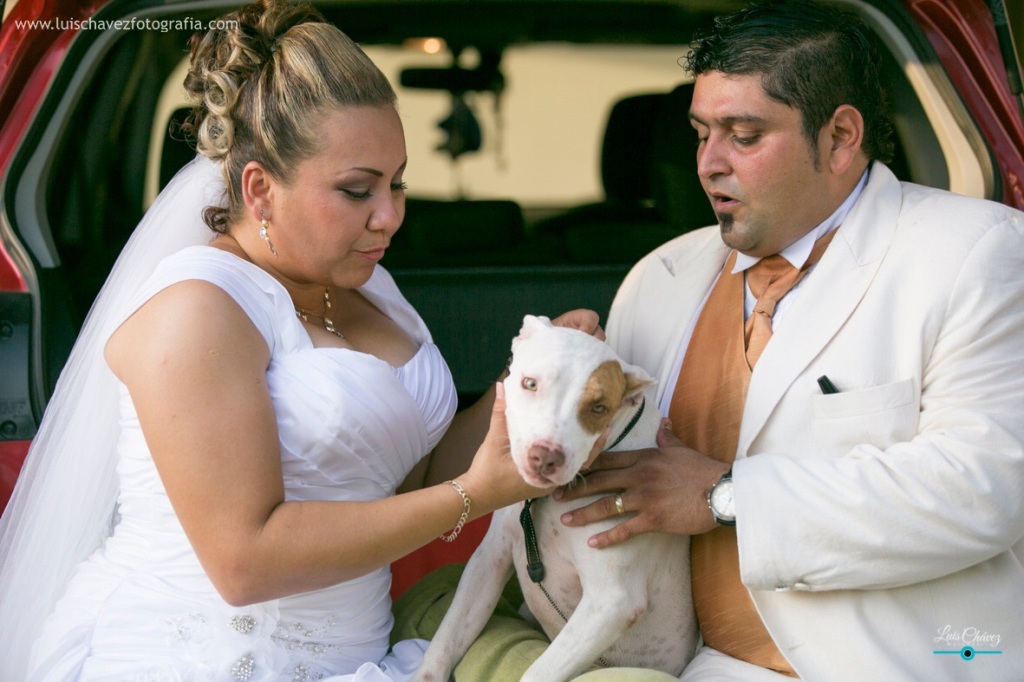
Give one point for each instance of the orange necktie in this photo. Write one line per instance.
(706, 412)
(769, 280)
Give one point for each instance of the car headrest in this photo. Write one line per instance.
(627, 148)
(675, 184)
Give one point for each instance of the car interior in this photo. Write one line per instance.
(474, 254)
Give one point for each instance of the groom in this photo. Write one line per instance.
(848, 448)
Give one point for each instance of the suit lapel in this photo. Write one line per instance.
(827, 298)
(681, 288)
(673, 287)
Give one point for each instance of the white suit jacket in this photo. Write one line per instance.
(882, 524)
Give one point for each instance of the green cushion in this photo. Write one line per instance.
(508, 644)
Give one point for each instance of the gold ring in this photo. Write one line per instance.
(619, 507)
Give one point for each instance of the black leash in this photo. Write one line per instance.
(534, 566)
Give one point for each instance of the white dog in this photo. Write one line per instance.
(627, 605)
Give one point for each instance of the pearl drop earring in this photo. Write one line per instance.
(263, 233)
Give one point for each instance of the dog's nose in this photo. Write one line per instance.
(545, 458)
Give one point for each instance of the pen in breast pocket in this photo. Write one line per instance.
(826, 385)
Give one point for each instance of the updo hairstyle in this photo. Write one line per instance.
(260, 81)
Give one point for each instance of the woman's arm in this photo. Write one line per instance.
(195, 366)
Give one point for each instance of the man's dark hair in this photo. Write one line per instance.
(810, 57)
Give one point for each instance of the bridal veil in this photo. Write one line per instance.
(65, 501)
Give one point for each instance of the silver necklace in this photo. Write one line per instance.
(304, 315)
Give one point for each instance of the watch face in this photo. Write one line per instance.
(722, 502)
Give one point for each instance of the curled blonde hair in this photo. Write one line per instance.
(259, 83)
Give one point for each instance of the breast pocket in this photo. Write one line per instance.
(878, 416)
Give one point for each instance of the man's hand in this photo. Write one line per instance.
(583, 319)
(666, 488)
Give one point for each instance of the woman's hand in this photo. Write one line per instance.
(583, 319)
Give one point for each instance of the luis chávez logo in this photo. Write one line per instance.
(967, 643)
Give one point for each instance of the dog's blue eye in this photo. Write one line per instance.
(529, 384)
(599, 409)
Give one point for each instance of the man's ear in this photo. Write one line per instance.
(257, 191)
(844, 135)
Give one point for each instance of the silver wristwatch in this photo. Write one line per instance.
(721, 501)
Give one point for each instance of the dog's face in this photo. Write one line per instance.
(564, 389)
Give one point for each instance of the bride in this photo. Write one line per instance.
(212, 494)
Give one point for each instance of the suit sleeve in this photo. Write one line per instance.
(949, 496)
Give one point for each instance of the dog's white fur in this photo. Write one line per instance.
(627, 605)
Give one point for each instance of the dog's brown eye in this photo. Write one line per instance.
(529, 383)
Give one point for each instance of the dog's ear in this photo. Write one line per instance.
(637, 381)
(532, 323)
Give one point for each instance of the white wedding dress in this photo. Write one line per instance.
(351, 428)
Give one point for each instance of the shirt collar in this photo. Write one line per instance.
(799, 251)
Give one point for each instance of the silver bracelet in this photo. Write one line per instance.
(466, 505)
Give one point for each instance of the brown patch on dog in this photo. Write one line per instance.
(601, 397)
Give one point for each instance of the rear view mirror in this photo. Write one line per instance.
(485, 77)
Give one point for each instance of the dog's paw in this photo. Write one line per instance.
(426, 674)
(429, 677)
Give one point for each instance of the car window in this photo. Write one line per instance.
(541, 145)
(541, 138)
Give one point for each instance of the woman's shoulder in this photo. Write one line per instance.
(181, 322)
(210, 262)
(258, 294)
